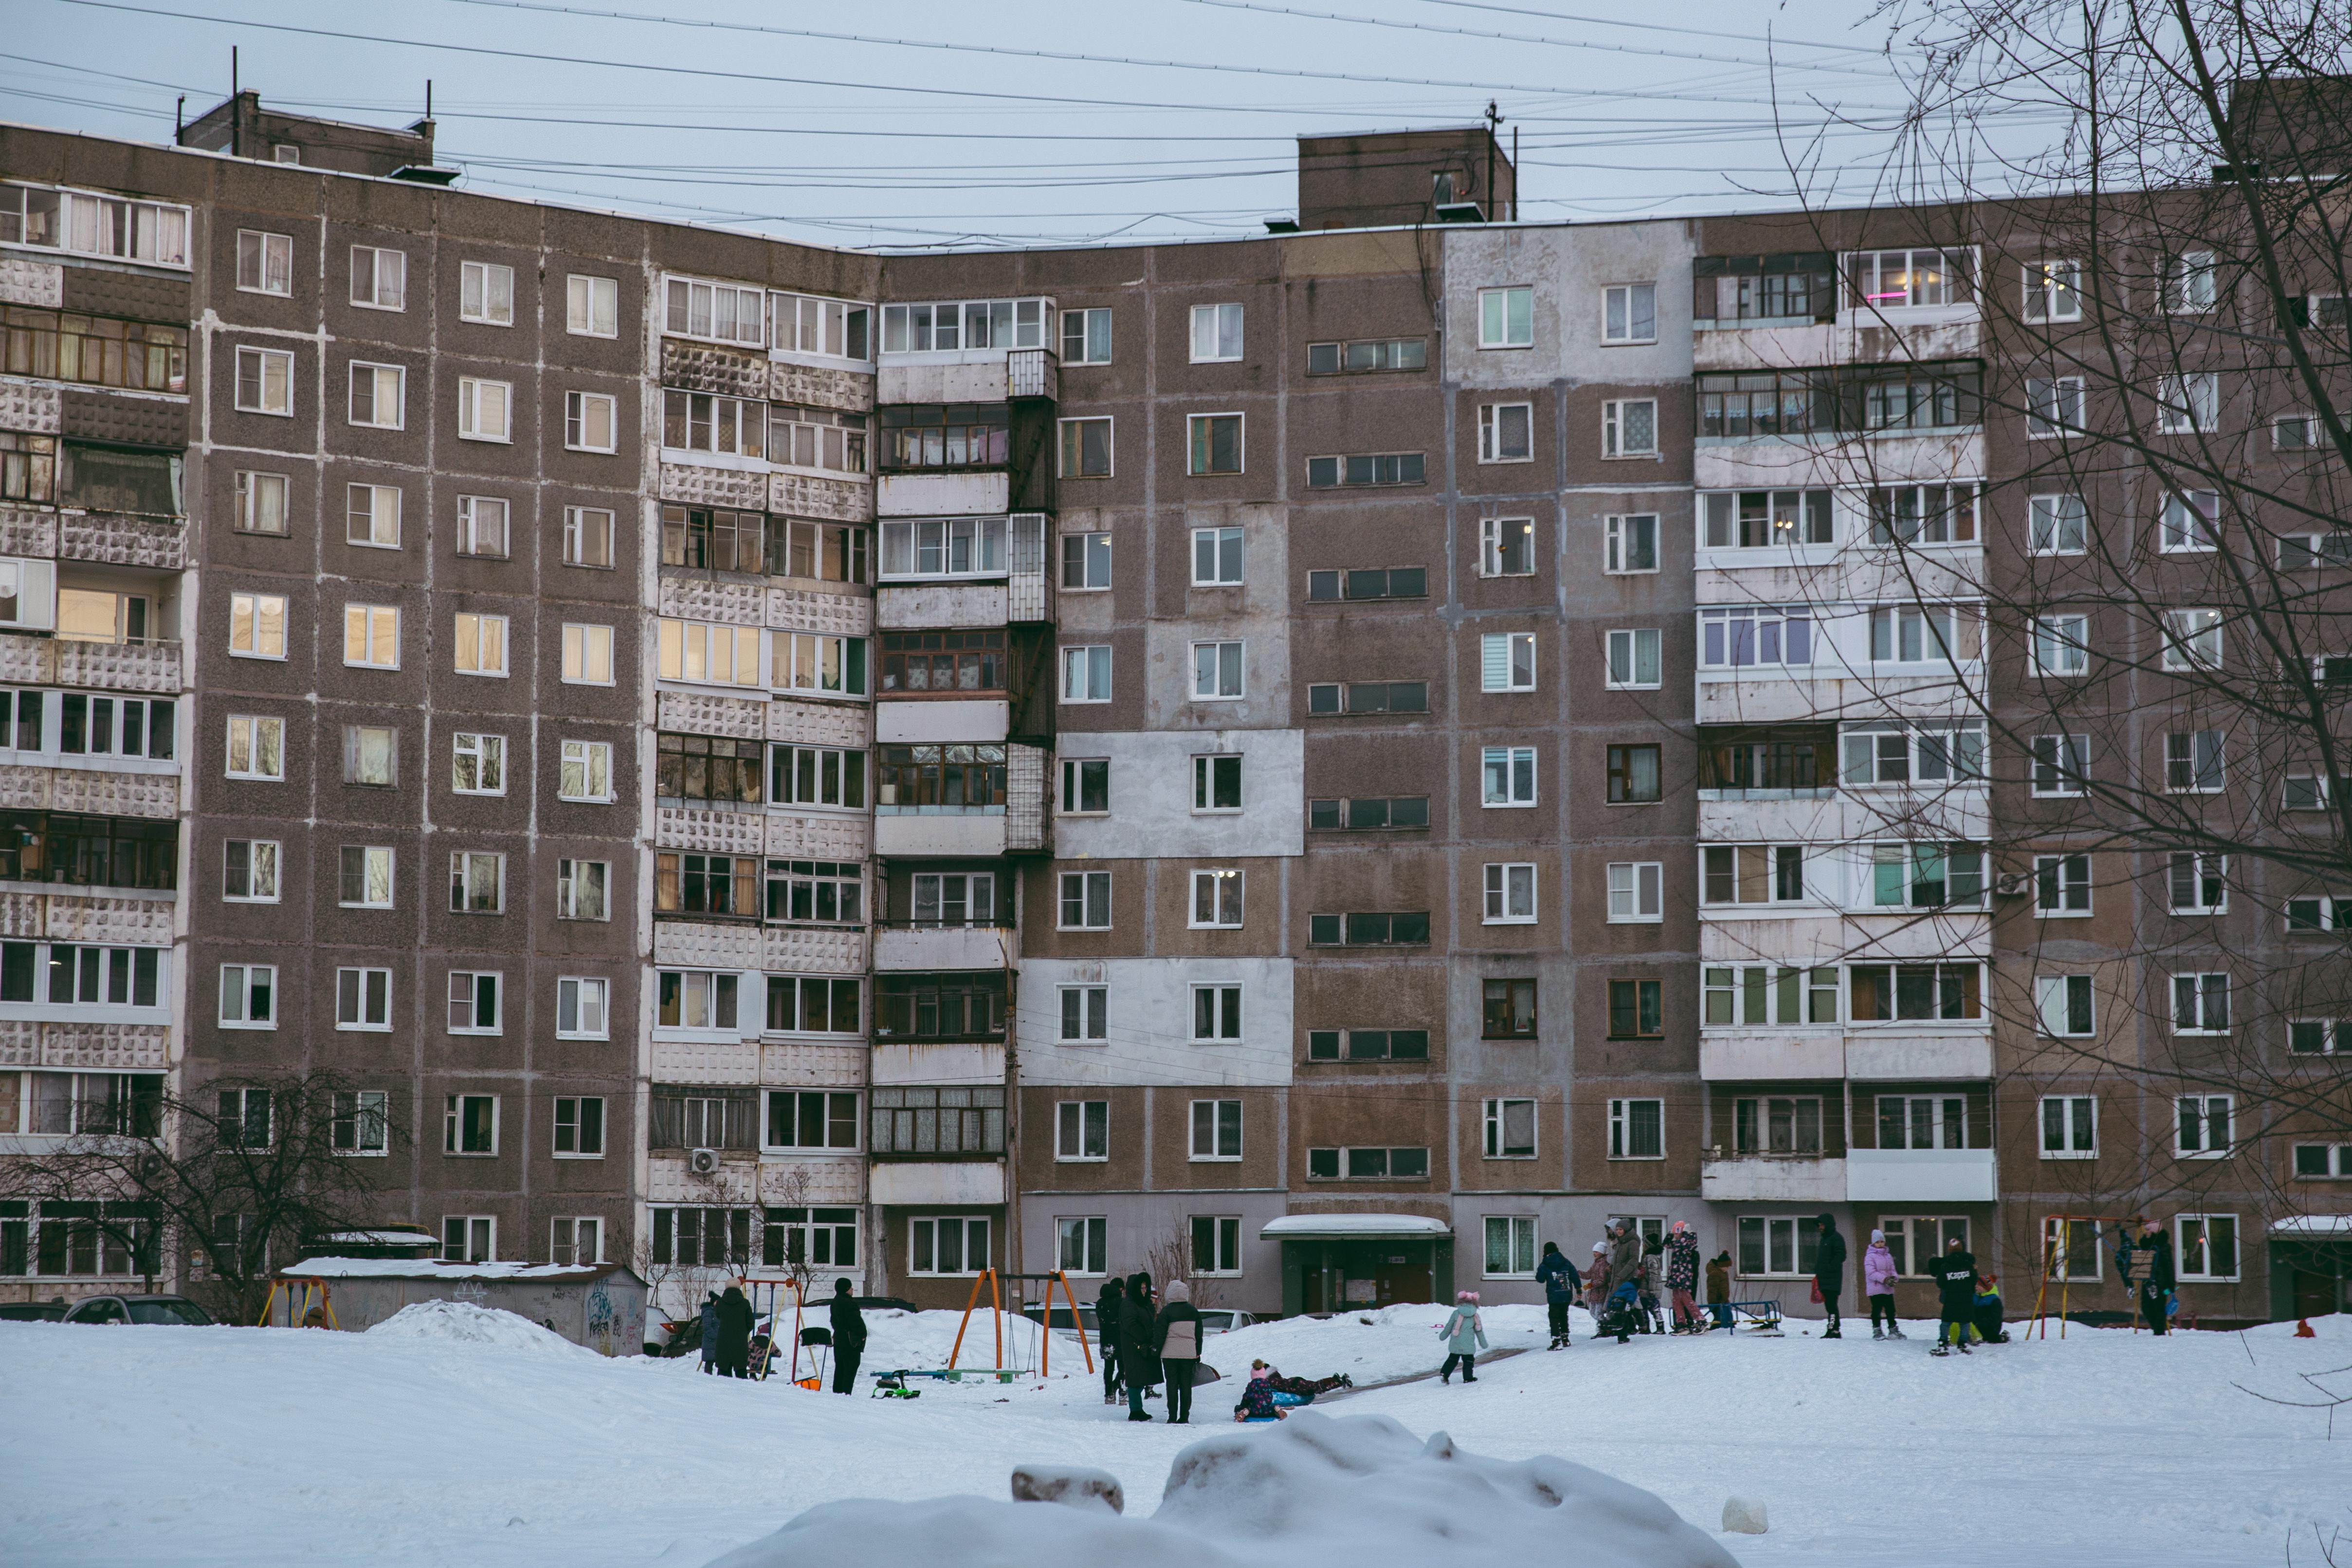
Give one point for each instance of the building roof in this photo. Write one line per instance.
(430, 1268)
(1354, 1227)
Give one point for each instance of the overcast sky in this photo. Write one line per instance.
(931, 123)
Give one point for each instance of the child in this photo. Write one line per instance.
(1464, 1337)
(1258, 1396)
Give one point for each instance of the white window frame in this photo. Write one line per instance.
(463, 865)
(2052, 633)
(2053, 407)
(585, 646)
(577, 533)
(277, 403)
(576, 408)
(2192, 640)
(488, 753)
(248, 621)
(1491, 541)
(387, 284)
(2202, 1118)
(2184, 1249)
(1517, 1236)
(2204, 872)
(1510, 893)
(2053, 292)
(1062, 428)
(2058, 524)
(1620, 313)
(1218, 673)
(2188, 522)
(477, 298)
(453, 1119)
(370, 855)
(1216, 1151)
(1224, 337)
(2055, 873)
(1081, 661)
(583, 987)
(472, 403)
(1241, 417)
(2077, 1113)
(1623, 668)
(1636, 892)
(2191, 283)
(1070, 1130)
(1495, 1118)
(2069, 764)
(368, 1122)
(1622, 1129)
(925, 1228)
(1088, 1009)
(376, 525)
(475, 638)
(375, 375)
(2188, 403)
(1208, 548)
(356, 1019)
(2195, 987)
(581, 304)
(1491, 432)
(1625, 537)
(2053, 1000)
(378, 627)
(1224, 1016)
(752, 333)
(1507, 661)
(1616, 419)
(1495, 323)
(583, 755)
(245, 979)
(1083, 318)
(1215, 882)
(2200, 781)
(1087, 888)
(574, 881)
(253, 860)
(483, 522)
(273, 262)
(1510, 758)
(469, 981)
(1204, 781)
(264, 503)
(253, 727)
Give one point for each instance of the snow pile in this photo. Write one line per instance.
(465, 1323)
(1316, 1487)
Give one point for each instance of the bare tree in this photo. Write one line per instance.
(1171, 1257)
(247, 1175)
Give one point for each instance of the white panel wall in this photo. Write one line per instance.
(1151, 796)
(1150, 1022)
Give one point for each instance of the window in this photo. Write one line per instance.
(700, 422)
(1395, 1164)
(265, 262)
(482, 527)
(1216, 1130)
(817, 893)
(2198, 884)
(473, 1002)
(2061, 763)
(592, 306)
(1510, 894)
(955, 898)
(2190, 521)
(1367, 355)
(719, 311)
(1636, 1009)
(1751, 874)
(1511, 1135)
(1216, 1244)
(1085, 336)
(1633, 775)
(2193, 640)
(706, 884)
(1086, 900)
(357, 1122)
(1086, 448)
(1376, 929)
(1897, 280)
(690, 1238)
(1376, 1045)
(2069, 1126)
(265, 381)
(591, 421)
(2192, 762)
(1216, 671)
(1368, 812)
(1923, 515)
(587, 655)
(1750, 519)
(941, 547)
(469, 1124)
(1637, 1128)
(1507, 775)
(1629, 428)
(371, 516)
(485, 409)
(2063, 1003)
(1216, 1014)
(935, 779)
(1369, 697)
(2061, 645)
(372, 636)
(2188, 404)
(1213, 443)
(1509, 1010)
(477, 883)
(245, 1119)
(486, 293)
(257, 748)
(2062, 885)
(1752, 637)
(811, 1119)
(1505, 432)
(1507, 661)
(2201, 1005)
(576, 1241)
(811, 325)
(2304, 792)
(2206, 1247)
(1216, 557)
(698, 999)
(1377, 583)
(1216, 333)
(2191, 281)
(835, 442)
(581, 1008)
(1633, 660)
(806, 1004)
(256, 626)
(1507, 318)
(2053, 407)
(954, 1244)
(2054, 292)
(1086, 673)
(1927, 634)
(248, 994)
(1772, 1248)
(261, 503)
(363, 999)
(364, 877)
(1758, 995)
(1082, 1246)
(2323, 1159)
(1084, 1013)
(1636, 892)
(1927, 874)
(1629, 313)
(587, 536)
(1773, 1125)
(1916, 1240)
(1633, 543)
(2059, 525)
(836, 666)
(581, 889)
(378, 278)
(1923, 1121)
(249, 871)
(707, 768)
(1217, 899)
(816, 776)
(1506, 546)
(1216, 783)
(377, 394)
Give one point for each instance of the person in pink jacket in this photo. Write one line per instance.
(1878, 1284)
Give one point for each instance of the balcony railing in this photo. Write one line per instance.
(1033, 372)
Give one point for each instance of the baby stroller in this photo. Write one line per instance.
(1621, 1314)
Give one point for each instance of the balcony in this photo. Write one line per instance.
(1921, 1176)
(973, 1062)
(923, 1184)
(1033, 372)
(1756, 1059)
(1773, 1179)
(930, 495)
(955, 721)
(940, 606)
(903, 946)
(944, 832)
(1918, 1058)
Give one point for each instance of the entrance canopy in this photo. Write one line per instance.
(2310, 1224)
(1355, 1228)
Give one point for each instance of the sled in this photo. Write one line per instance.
(1204, 1373)
(1757, 1317)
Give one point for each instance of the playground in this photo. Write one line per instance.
(487, 1439)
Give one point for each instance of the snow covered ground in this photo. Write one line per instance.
(264, 1447)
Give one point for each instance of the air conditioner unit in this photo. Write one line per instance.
(703, 1162)
(2013, 884)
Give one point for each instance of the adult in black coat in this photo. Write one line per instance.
(1139, 1353)
(1955, 1274)
(848, 1336)
(1829, 1271)
(733, 1356)
(2155, 1291)
(1109, 1307)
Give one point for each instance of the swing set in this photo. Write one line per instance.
(314, 1298)
(2057, 1237)
(953, 1372)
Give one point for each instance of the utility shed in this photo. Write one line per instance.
(599, 1305)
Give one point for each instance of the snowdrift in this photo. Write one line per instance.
(1314, 1488)
(463, 1322)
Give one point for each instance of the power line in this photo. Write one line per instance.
(1653, 27)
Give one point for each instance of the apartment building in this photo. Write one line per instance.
(1321, 763)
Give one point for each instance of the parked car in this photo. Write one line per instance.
(168, 1311)
(33, 1311)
